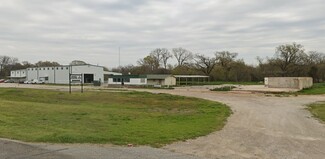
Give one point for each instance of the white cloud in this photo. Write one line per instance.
(65, 30)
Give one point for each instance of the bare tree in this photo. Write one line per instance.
(150, 62)
(5, 63)
(315, 57)
(78, 62)
(165, 55)
(26, 64)
(205, 64)
(288, 55)
(46, 64)
(182, 55)
(224, 58)
(156, 55)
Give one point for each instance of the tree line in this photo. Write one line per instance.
(8, 63)
(289, 60)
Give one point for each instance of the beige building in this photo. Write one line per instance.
(164, 80)
(288, 82)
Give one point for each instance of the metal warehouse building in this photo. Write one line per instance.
(60, 74)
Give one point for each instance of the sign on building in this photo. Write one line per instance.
(76, 78)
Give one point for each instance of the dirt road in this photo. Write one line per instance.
(260, 127)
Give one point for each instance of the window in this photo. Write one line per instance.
(118, 80)
(142, 80)
(114, 80)
(61, 68)
(23, 72)
(32, 69)
(48, 68)
(52, 68)
(46, 78)
(67, 68)
(127, 80)
(57, 68)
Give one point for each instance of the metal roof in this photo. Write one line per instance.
(127, 76)
(190, 76)
(153, 76)
(111, 73)
(158, 76)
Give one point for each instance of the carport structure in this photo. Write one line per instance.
(191, 79)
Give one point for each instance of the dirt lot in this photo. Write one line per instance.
(261, 127)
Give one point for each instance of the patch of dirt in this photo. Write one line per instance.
(261, 127)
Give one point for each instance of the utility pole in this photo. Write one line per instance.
(119, 56)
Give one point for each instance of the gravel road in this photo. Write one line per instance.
(19, 150)
(261, 126)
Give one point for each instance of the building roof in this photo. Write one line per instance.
(111, 73)
(158, 76)
(153, 76)
(190, 76)
(67, 66)
(127, 76)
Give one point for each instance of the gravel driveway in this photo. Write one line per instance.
(261, 127)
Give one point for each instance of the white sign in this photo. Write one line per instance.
(76, 77)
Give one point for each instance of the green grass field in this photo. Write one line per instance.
(106, 117)
(318, 110)
(318, 88)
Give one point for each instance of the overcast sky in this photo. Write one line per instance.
(93, 30)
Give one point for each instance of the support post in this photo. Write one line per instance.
(82, 87)
(70, 80)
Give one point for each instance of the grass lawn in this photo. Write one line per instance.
(318, 88)
(318, 110)
(106, 117)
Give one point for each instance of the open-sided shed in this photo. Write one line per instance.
(191, 79)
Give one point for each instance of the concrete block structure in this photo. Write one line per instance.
(288, 82)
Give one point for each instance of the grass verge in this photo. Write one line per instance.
(318, 88)
(318, 110)
(106, 117)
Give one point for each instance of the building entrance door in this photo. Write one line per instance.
(88, 78)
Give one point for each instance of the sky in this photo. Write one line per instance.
(93, 30)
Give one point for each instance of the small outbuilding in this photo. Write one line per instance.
(164, 80)
(288, 82)
(191, 79)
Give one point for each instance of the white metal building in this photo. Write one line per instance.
(60, 74)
